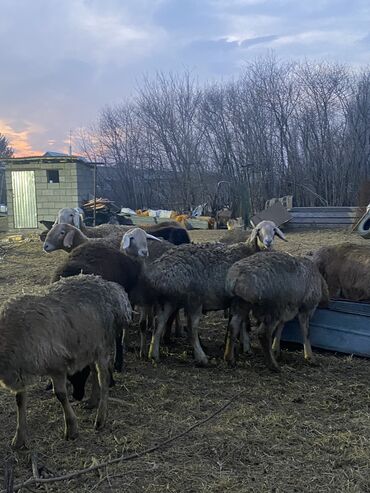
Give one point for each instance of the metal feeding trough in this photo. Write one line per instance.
(343, 327)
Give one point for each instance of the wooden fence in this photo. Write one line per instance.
(323, 217)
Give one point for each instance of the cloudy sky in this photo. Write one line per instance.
(63, 60)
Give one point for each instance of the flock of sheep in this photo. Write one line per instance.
(75, 327)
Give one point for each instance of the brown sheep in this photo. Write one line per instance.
(193, 277)
(276, 287)
(64, 328)
(346, 269)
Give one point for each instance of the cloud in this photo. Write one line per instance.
(63, 61)
(258, 40)
(20, 140)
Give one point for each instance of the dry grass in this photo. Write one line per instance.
(306, 430)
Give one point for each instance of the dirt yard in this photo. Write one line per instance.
(304, 430)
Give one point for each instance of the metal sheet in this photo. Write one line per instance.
(24, 199)
(344, 327)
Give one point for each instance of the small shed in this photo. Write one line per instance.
(37, 187)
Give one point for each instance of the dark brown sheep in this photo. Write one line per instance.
(109, 263)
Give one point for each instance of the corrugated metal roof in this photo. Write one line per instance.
(55, 154)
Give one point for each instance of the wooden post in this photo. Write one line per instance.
(94, 219)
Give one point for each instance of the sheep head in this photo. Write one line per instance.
(135, 243)
(264, 233)
(70, 216)
(61, 236)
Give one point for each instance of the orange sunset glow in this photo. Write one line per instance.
(19, 139)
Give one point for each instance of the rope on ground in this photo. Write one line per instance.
(123, 458)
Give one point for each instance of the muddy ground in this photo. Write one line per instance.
(304, 430)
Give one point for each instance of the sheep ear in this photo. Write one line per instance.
(151, 237)
(280, 234)
(76, 218)
(254, 234)
(125, 243)
(68, 239)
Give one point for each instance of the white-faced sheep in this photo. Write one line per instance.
(134, 244)
(265, 229)
(193, 277)
(70, 215)
(346, 269)
(65, 327)
(276, 287)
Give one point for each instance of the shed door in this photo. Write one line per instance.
(24, 199)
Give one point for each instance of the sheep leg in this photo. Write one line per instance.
(118, 362)
(265, 333)
(179, 329)
(93, 401)
(167, 332)
(163, 314)
(244, 335)
(188, 327)
(199, 354)
(233, 331)
(144, 320)
(102, 369)
(277, 337)
(19, 439)
(70, 421)
(304, 323)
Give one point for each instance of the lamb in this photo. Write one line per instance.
(346, 269)
(193, 277)
(276, 286)
(65, 327)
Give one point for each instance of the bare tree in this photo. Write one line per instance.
(279, 128)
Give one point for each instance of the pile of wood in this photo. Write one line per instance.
(102, 205)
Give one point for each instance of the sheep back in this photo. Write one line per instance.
(170, 231)
(274, 281)
(346, 269)
(62, 328)
(100, 259)
(189, 273)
